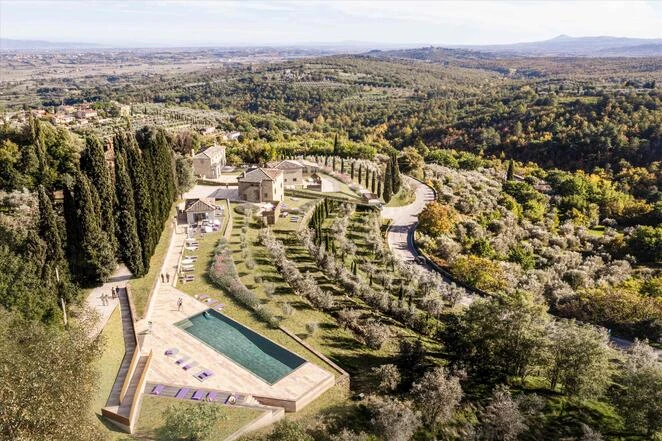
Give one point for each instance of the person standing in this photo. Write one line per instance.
(162, 278)
(179, 304)
(168, 277)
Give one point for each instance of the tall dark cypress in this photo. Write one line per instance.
(160, 168)
(373, 183)
(335, 145)
(388, 183)
(127, 234)
(146, 227)
(379, 186)
(342, 165)
(351, 170)
(359, 175)
(91, 257)
(367, 177)
(50, 233)
(93, 164)
(395, 175)
(333, 164)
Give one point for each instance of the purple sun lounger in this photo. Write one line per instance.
(213, 303)
(198, 395)
(203, 297)
(158, 389)
(182, 392)
(171, 351)
(180, 361)
(202, 376)
(211, 396)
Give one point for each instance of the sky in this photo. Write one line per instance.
(250, 23)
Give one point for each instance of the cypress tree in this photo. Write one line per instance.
(335, 145)
(359, 176)
(388, 184)
(50, 233)
(373, 183)
(127, 234)
(146, 227)
(395, 175)
(91, 256)
(333, 164)
(511, 171)
(379, 186)
(342, 165)
(367, 177)
(93, 164)
(351, 170)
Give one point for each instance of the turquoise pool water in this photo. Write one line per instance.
(257, 354)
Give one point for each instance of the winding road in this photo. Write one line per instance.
(404, 219)
(400, 237)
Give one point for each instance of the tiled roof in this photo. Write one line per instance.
(289, 164)
(202, 204)
(261, 174)
(211, 152)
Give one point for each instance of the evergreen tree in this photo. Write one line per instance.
(333, 164)
(90, 253)
(379, 186)
(342, 165)
(511, 170)
(93, 164)
(359, 175)
(395, 175)
(373, 183)
(388, 184)
(50, 233)
(127, 233)
(367, 178)
(148, 230)
(351, 170)
(335, 146)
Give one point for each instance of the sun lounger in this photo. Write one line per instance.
(198, 395)
(187, 270)
(220, 307)
(182, 392)
(211, 396)
(213, 303)
(202, 297)
(158, 389)
(202, 376)
(171, 351)
(189, 365)
(181, 361)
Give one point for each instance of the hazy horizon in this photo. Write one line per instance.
(172, 23)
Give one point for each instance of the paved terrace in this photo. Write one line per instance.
(228, 376)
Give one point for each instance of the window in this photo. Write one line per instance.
(266, 195)
(294, 180)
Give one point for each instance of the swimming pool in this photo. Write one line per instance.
(247, 348)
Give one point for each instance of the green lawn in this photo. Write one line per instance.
(142, 287)
(402, 198)
(153, 409)
(107, 367)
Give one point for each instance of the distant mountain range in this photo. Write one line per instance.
(564, 45)
(8, 44)
(560, 46)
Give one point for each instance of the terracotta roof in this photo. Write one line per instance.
(202, 204)
(211, 151)
(261, 174)
(289, 164)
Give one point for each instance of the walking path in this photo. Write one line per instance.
(93, 301)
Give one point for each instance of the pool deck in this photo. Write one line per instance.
(291, 392)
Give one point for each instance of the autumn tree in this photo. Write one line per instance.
(437, 219)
